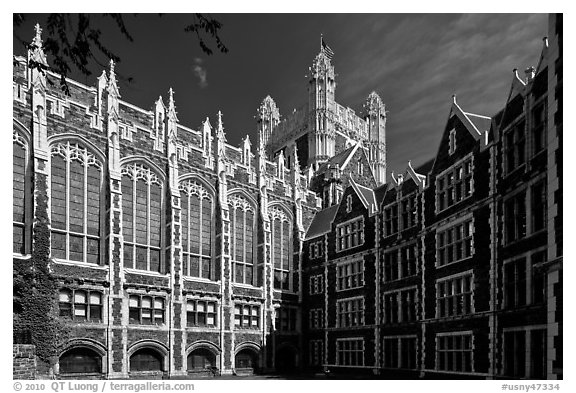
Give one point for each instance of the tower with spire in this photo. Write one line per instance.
(375, 116)
(321, 106)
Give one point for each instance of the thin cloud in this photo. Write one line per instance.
(200, 73)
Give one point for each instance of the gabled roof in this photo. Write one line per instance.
(322, 222)
(475, 124)
(517, 85)
(478, 126)
(340, 159)
(482, 123)
(366, 195)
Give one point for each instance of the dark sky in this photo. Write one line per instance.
(414, 61)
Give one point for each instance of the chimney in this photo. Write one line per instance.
(530, 73)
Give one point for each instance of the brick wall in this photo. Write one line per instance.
(24, 361)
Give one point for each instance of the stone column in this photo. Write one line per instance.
(117, 307)
(223, 240)
(174, 247)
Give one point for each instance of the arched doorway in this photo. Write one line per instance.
(146, 360)
(202, 361)
(246, 361)
(286, 360)
(80, 360)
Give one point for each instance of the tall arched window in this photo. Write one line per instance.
(76, 182)
(196, 219)
(282, 260)
(242, 239)
(141, 218)
(19, 183)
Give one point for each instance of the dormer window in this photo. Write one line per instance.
(452, 142)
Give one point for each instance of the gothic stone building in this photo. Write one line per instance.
(453, 269)
(174, 252)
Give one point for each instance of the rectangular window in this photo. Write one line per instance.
(539, 277)
(200, 313)
(80, 305)
(454, 352)
(146, 310)
(350, 312)
(408, 305)
(514, 147)
(350, 234)
(455, 185)
(391, 307)
(400, 306)
(391, 220)
(316, 352)
(350, 352)
(350, 275)
(400, 352)
(408, 261)
(391, 268)
(316, 249)
(316, 318)
(525, 353)
(286, 319)
(316, 284)
(515, 217)
(454, 296)
(515, 283)
(539, 206)
(247, 316)
(539, 117)
(455, 243)
(408, 211)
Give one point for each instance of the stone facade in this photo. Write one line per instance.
(174, 252)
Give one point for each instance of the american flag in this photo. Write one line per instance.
(326, 49)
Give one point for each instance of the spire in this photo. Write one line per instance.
(112, 84)
(296, 162)
(36, 51)
(220, 128)
(171, 106)
(38, 38)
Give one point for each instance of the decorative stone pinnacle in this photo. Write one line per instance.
(36, 51)
(38, 38)
(171, 106)
(112, 85)
(296, 162)
(220, 128)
